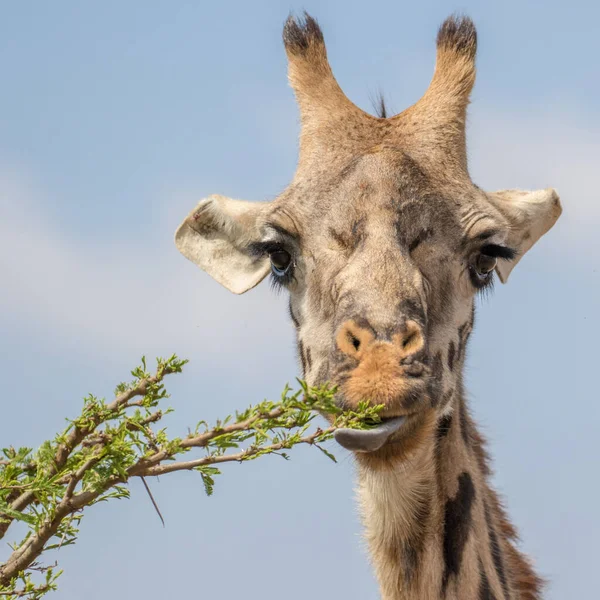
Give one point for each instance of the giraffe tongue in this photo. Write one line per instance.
(368, 440)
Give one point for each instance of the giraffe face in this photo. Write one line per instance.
(381, 239)
(382, 263)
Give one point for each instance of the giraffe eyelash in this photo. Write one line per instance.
(278, 284)
(262, 249)
(497, 251)
(486, 289)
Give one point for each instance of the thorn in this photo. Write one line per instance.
(153, 501)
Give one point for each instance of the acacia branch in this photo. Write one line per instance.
(111, 443)
(31, 550)
(78, 434)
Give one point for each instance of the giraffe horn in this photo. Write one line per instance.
(319, 97)
(440, 114)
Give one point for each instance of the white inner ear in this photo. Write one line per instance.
(530, 215)
(216, 236)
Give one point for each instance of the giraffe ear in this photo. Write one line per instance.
(217, 236)
(530, 215)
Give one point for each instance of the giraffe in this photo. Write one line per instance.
(383, 242)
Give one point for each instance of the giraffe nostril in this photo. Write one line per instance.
(354, 341)
(412, 339)
(409, 339)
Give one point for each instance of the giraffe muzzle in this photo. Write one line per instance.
(388, 371)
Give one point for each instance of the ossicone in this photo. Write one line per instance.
(321, 101)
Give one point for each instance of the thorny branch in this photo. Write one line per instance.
(110, 443)
(77, 435)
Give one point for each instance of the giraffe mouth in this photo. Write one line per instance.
(369, 440)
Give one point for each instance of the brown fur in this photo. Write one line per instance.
(379, 374)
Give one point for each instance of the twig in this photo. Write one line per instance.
(22, 593)
(202, 440)
(28, 467)
(153, 471)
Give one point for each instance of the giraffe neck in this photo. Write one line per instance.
(434, 526)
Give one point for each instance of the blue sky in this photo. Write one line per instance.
(118, 117)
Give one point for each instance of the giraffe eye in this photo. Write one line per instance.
(281, 261)
(485, 264)
(482, 270)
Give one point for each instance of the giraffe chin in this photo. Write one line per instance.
(368, 440)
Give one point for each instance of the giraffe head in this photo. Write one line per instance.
(381, 239)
